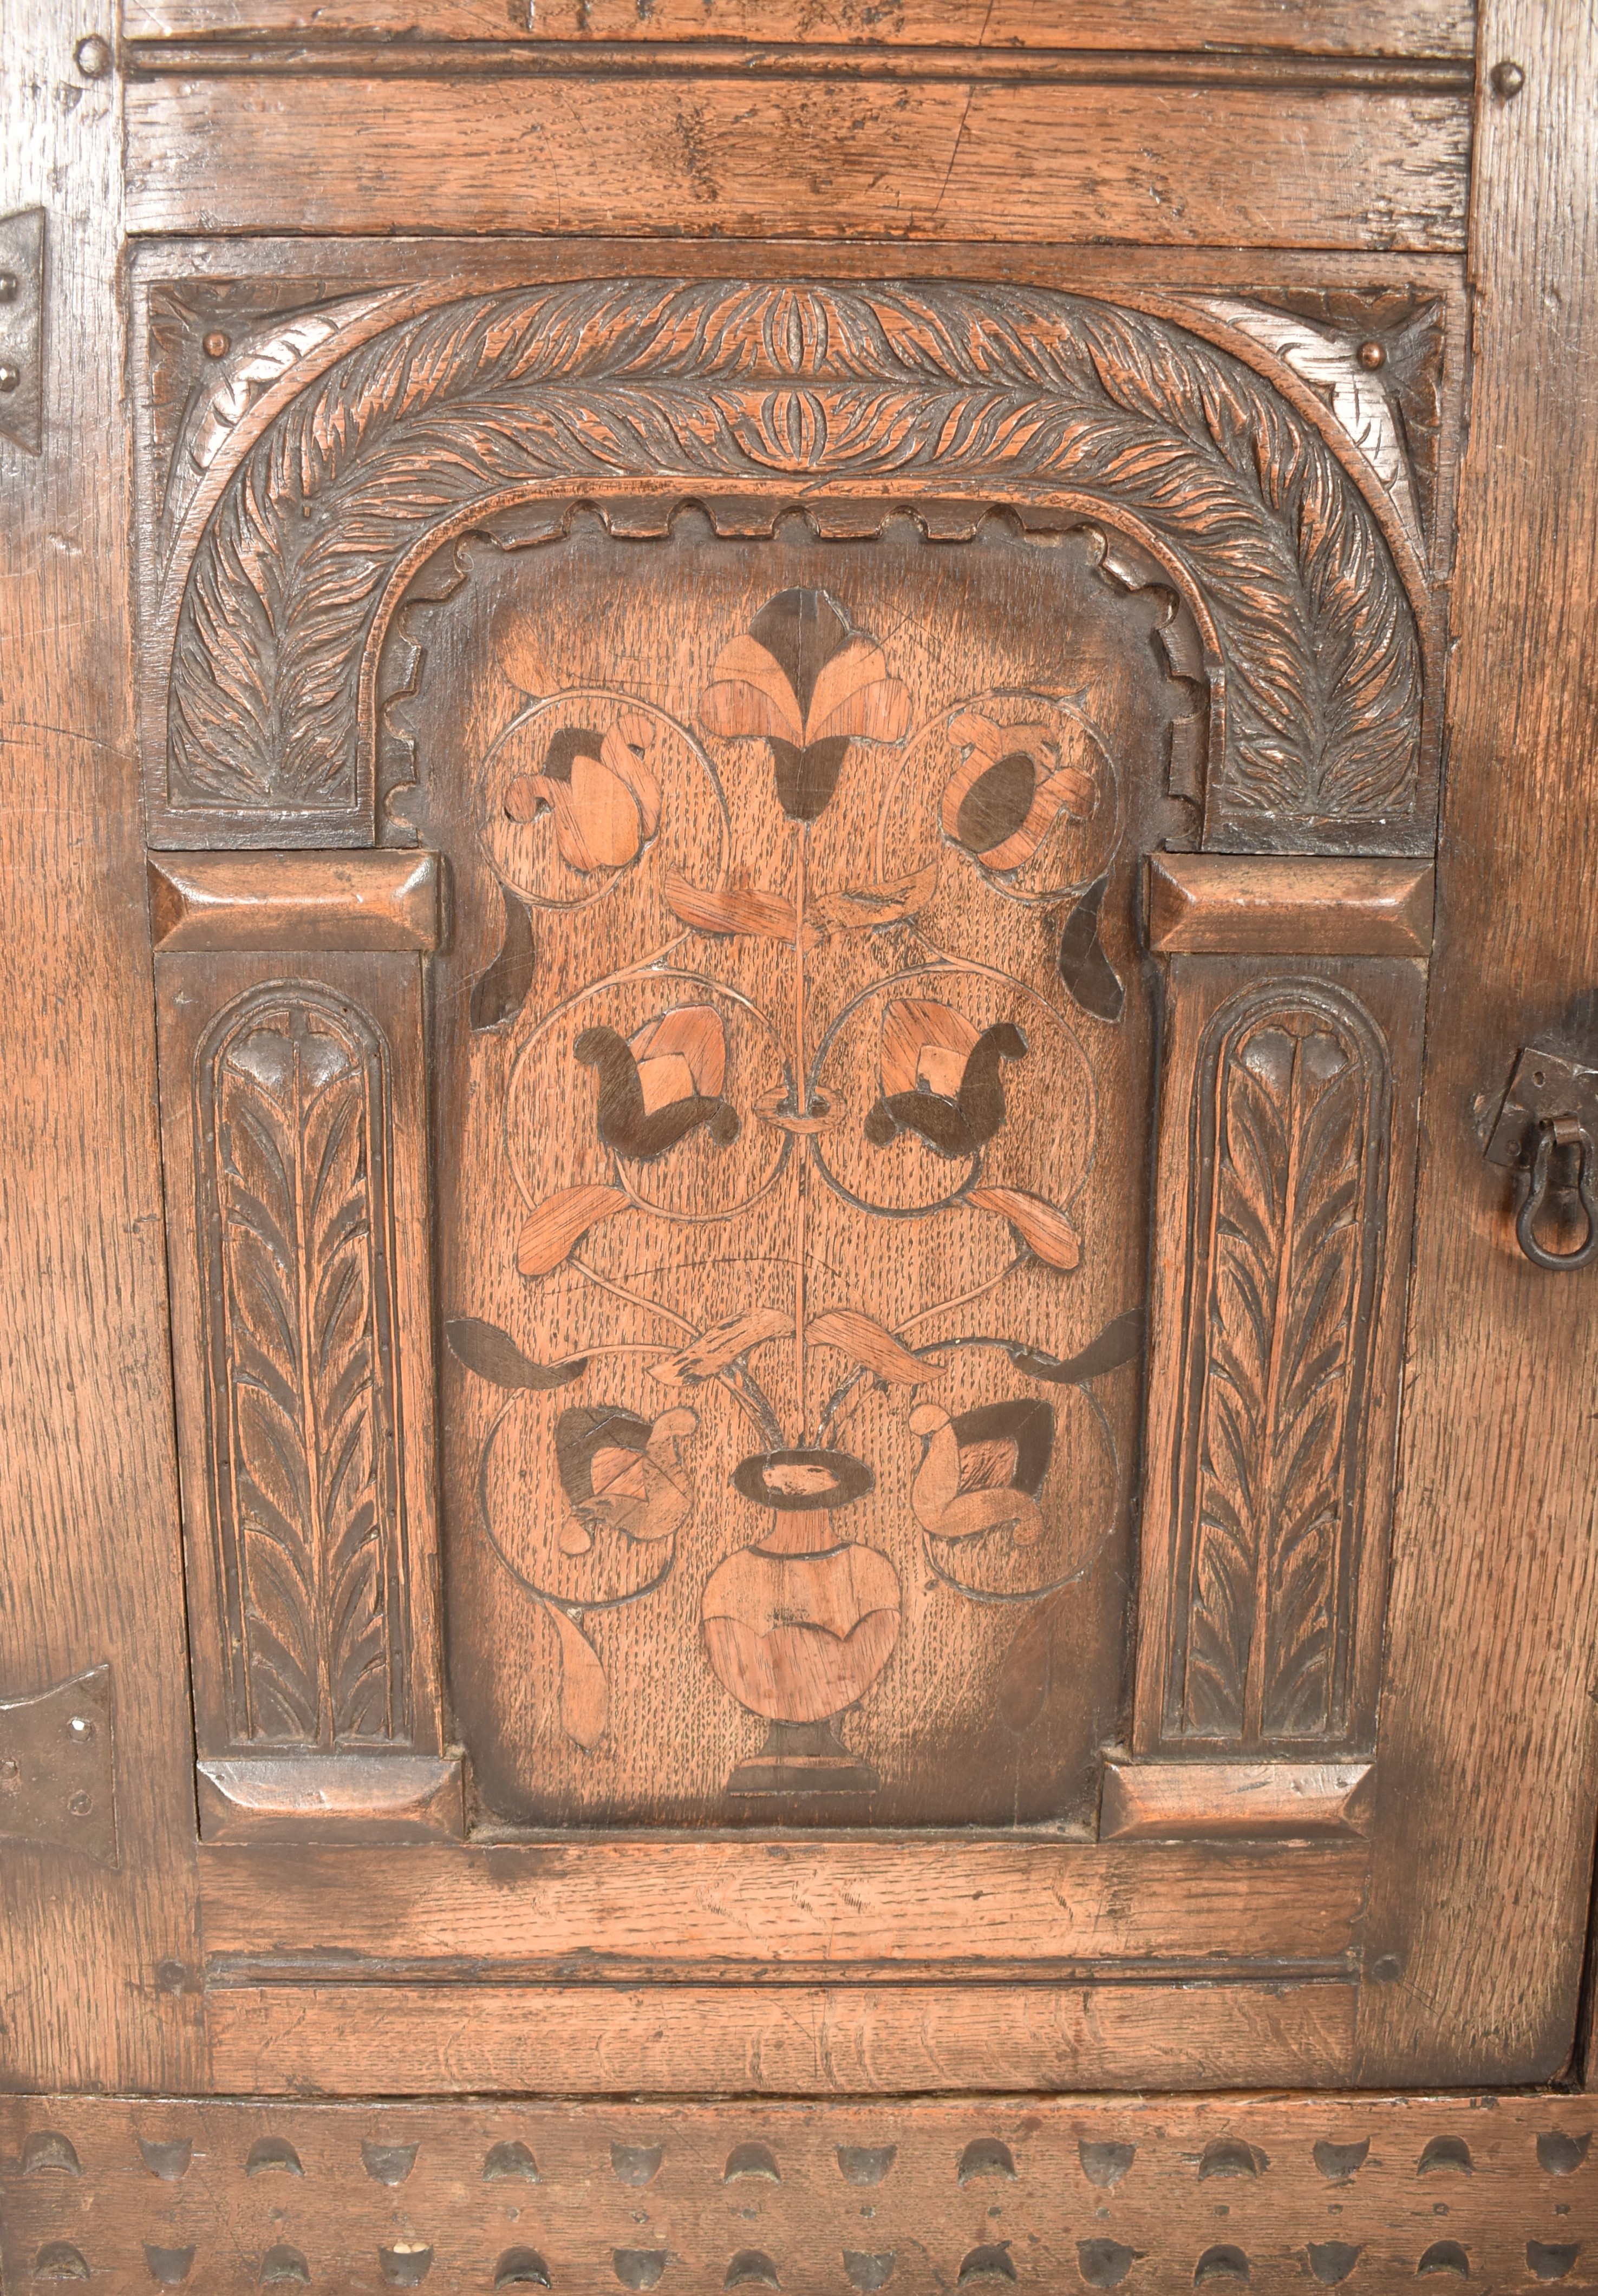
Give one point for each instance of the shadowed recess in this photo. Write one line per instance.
(1221, 2263)
(990, 2262)
(751, 2160)
(1229, 2156)
(1551, 2259)
(986, 2156)
(405, 2265)
(1105, 2263)
(1560, 2154)
(269, 2152)
(866, 2164)
(1445, 2256)
(388, 2164)
(868, 2272)
(521, 2267)
(635, 2164)
(167, 2159)
(58, 2260)
(509, 2160)
(1445, 2152)
(638, 2268)
(1103, 2162)
(284, 2268)
(1331, 2261)
(1338, 2162)
(167, 2266)
(48, 2149)
(752, 2267)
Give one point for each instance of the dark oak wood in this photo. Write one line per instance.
(88, 1493)
(1073, 2192)
(1226, 904)
(1164, 1801)
(1425, 27)
(798, 988)
(799, 2041)
(295, 901)
(798, 1907)
(1499, 1440)
(1256, 166)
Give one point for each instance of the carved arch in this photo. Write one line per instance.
(993, 393)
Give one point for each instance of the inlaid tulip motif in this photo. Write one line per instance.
(941, 1078)
(601, 791)
(1011, 787)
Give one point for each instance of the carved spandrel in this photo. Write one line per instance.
(1119, 413)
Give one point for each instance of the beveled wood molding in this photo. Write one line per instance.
(1166, 1801)
(1269, 904)
(347, 1797)
(1156, 2194)
(311, 901)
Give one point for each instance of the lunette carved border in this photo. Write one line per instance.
(288, 520)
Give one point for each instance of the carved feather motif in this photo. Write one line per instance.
(707, 380)
(303, 1398)
(1293, 1221)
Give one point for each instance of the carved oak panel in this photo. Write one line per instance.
(784, 683)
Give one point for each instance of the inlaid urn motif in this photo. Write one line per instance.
(799, 1625)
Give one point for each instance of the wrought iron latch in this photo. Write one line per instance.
(22, 327)
(1544, 1135)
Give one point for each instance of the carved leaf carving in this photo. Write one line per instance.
(302, 1373)
(711, 380)
(1293, 1224)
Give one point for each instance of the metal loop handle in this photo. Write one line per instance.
(1557, 1131)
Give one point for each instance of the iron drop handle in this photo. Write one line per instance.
(1556, 1132)
(1544, 1133)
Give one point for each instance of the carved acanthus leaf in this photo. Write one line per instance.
(1017, 389)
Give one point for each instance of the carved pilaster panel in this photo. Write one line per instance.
(1286, 1157)
(296, 1156)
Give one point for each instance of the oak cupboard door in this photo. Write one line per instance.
(857, 932)
(840, 870)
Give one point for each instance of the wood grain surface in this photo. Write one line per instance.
(1156, 166)
(1267, 905)
(855, 1907)
(94, 1963)
(1483, 1835)
(1332, 27)
(759, 2040)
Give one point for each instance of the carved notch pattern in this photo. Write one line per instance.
(1288, 1202)
(730, 384)
(292, 1117)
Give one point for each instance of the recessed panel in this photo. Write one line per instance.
(794, 1067)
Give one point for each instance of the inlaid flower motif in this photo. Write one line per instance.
(800, 677)
(982, 1471)
(601, 791)
(940, 1077)
(623, 1473)
(1009, 789)
(660, 1085)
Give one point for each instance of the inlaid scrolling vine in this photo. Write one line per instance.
(1018, 394)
